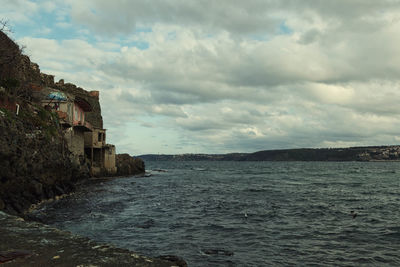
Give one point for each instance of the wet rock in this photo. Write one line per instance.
(178, 261)
(2, 205)
(58, 190)
(49, 192)
(36, 188)
(6, 256)
(53, 247)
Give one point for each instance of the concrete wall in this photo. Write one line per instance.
(109, 159)
(92, 138)
(76, 141)
(64, 106)
(79, 115)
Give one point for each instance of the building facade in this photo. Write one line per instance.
(86, 143)
(100, 154)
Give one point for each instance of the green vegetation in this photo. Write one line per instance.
(7, 114)
(9, 84)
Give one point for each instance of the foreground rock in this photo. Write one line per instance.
(128, 165)
(34, 244)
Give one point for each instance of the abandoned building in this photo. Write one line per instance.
(83, 140)
(71, 113)
(100, 154)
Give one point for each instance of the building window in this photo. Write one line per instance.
(100, 137)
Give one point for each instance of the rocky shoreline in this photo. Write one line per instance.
(39, 159)
(26, 243)
(40, 162)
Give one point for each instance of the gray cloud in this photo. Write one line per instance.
(223, 76)
(234, 16)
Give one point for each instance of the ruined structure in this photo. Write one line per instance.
(100, 154)
(86, 142)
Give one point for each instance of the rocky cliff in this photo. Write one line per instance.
(35, 162)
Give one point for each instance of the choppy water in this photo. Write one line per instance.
(246, 213)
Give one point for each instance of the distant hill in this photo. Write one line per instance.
(373, 153)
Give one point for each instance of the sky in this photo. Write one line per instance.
(206, 76)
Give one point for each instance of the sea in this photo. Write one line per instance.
(214, 213)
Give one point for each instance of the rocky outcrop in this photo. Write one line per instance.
(10, 56)
(35, 163)
(128, 165)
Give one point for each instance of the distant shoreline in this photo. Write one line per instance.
(365, 154)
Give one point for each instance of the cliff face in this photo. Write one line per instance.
(35, 161)
(35, 164)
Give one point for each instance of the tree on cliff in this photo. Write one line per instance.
(4, 26)
(9, 50)
(10, 62)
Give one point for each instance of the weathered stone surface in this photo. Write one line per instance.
(175, 259)
(9, 255)
(36, 188)
(35, 163)
(47, 246)
(128, 165)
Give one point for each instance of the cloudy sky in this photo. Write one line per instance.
(206, 76)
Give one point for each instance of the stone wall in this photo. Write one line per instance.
(76, 141)
(109, 159)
